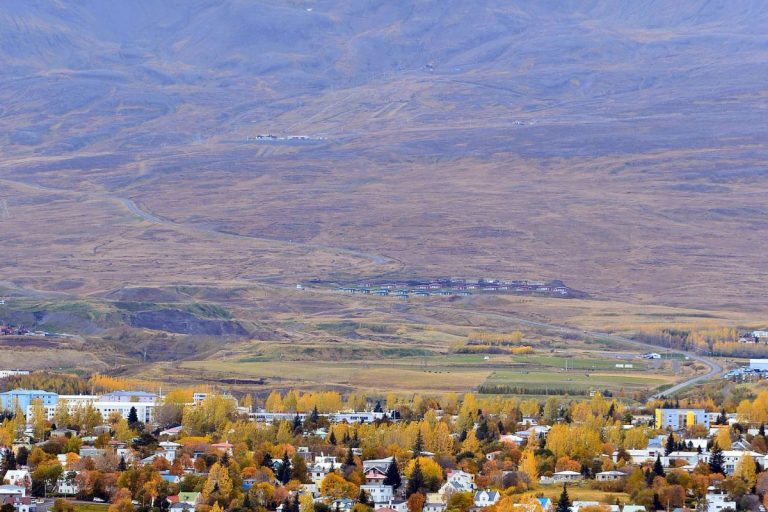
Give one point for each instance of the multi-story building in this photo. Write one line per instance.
(677, 419)
(119, 401)
(23, 398)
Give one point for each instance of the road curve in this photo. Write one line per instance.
(715, 369)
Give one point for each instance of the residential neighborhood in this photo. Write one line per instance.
(199, 450)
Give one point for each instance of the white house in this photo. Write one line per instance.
(393, 506)
(18, 477)
(486, 498)
(717, 502)
(610, 476)
(464, 480)
(67, 483)
(566, 476)
(379, 493)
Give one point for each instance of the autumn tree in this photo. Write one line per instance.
(416, 502)
(745, 469)
(528, 467)
(335, 487)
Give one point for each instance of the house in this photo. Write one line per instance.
(435, 503)
(67, 483)
(492, 455)
(610, 476)
(192, 499)
(717, 502)
(580, 504)
(640, 456)
(379, 493)
(393, 506)
(486, 498)
(380, 464)
(19, 477)
(91, 451)
(375, 476)
(343, 504)
(322, 466)
(512, 440)
(546, 504)
(20, 503)
(63, 432)
(222, 447)
(171, 432)
(566, 476)
(633, 508)
(12, 490)
(688, 458)
(171, 479)
(731, 458)
(464, 479)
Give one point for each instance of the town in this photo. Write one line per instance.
(459, 287)
(320, 452)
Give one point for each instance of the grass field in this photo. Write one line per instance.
(580, 492)
(439, 373)
(91, 507)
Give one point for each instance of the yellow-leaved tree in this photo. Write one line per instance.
(745, 469)
(528, 466)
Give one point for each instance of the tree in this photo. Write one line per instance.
(335, 487)
(716, 460)
(363, 498)
(658, 468)
(418, 445)
(299, 469)
(332, 438)
(62, 505)
(122, 501)
(393, 475)
(415, 480)
(133, 417)
(416, 502)
(460, 502)
(430, 473)
(745, 469)
(723, 438)
(528, 466)
(349, 461)
(284, 475)
(564, 503)
(39, 418)
(670, 446)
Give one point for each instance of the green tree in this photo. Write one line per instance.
(716, 460)
(393, 475)
(418, 445)
(133, 417)
(284, 475)
(564, 503)
(416, 481)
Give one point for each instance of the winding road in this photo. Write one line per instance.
(715, 369)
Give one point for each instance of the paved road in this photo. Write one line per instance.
(715, 369)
